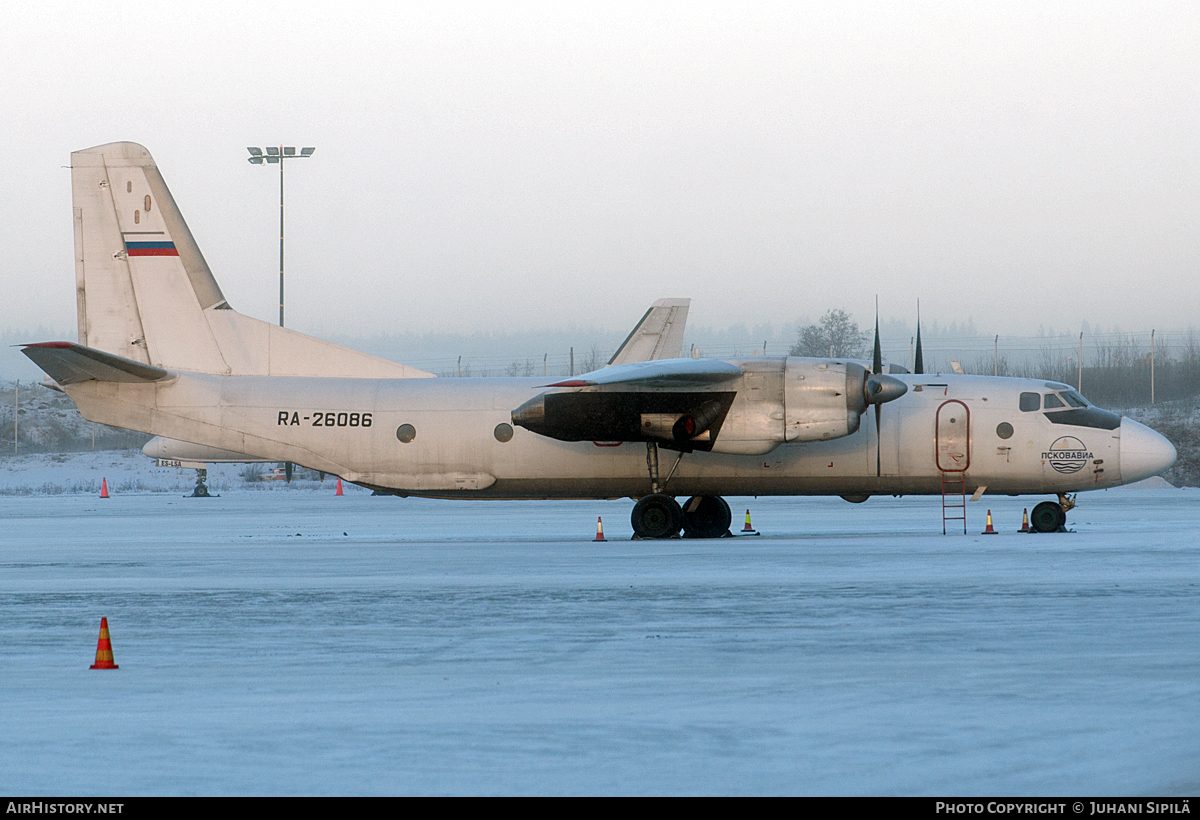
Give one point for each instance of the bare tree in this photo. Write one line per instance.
(593, 360)
(835, 335)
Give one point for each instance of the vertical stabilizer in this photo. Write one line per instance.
(133, 252)
(146, 293)
(659, 335)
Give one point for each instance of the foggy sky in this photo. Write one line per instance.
(496, 166)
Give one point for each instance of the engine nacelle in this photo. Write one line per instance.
(824, 399)
(799, 399)
(773, 401)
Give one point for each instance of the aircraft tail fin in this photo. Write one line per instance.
(659, 334)
(146, 294)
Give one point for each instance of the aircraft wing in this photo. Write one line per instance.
(659, 335)
(69, 363)
(666, 373)
(684, 401)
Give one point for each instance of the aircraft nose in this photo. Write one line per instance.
(1143, 452)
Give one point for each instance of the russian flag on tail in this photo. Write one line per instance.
(143, 245)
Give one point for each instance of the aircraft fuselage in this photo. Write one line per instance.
(455, 438)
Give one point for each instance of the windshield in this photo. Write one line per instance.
(1074, 399)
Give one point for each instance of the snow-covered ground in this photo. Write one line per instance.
(130, 471)
(294, 642)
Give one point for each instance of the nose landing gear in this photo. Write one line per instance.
(1051, 516)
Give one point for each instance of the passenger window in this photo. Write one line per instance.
(1053, 401)
(1030, 402)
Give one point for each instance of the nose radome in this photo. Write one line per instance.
(1143, 452)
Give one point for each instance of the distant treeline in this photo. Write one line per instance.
(1117, 368)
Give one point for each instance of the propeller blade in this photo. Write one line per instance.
(878, 390)
(918, 361)
(877, 362)
(287, 471)
(878, 440)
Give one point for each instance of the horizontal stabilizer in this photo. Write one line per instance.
(69, 363)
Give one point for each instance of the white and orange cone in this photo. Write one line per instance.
(104, 488)
(104, 655)
(989, 530)
(599, 530)
(339, 489)
(1024, 520)
(748, 530)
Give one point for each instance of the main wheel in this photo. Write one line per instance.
(706, 516)
(1047, 517)
(656, 516)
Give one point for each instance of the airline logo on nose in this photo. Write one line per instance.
(1067, 454)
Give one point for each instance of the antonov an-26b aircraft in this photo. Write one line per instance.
(161, 351)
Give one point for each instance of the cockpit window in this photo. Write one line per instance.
(1053, 401)
(1074, 399)
(1030, 402)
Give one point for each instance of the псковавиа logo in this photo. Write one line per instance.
(1067, 454)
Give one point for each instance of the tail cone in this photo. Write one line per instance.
(104, 655)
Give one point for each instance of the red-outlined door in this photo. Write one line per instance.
(952, 439)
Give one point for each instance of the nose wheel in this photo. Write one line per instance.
(1049, 516)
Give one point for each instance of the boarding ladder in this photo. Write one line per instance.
(954, 499)
(952, 444)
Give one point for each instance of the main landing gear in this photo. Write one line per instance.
(1051, 516)
(659, 515)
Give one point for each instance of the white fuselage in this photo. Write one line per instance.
(942, 428)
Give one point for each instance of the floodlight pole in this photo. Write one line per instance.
(274, 155)
(281, 164)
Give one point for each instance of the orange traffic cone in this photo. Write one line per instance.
(600, 530)
(104, 488)
(988, 530)
(748, 530)
(1024, 520)
(339, 489)
(104, 655)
